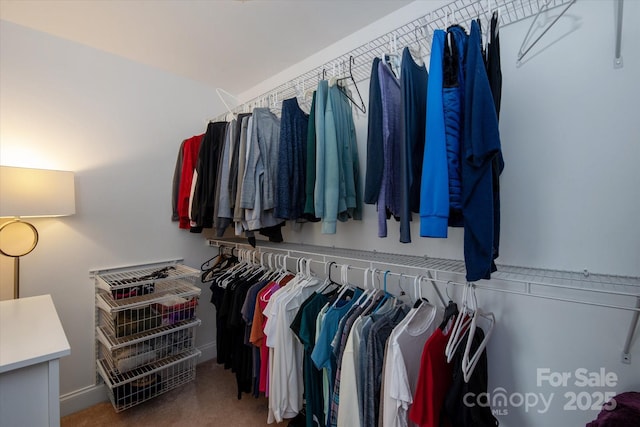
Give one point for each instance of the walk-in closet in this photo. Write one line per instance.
(319, 213)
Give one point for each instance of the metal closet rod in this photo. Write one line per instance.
(527, 277)
(329, 264)
(434, 279)
(420, 30)
(626, 355)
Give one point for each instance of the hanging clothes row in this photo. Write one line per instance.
(433, 145)
(433, 148)
(259, 170)
(328, 353)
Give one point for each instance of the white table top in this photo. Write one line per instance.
(30, 333)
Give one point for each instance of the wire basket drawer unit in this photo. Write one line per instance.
(127, 353)
(145, 330)
(172, 301)
(148, 381)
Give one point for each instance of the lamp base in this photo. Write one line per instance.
(17, 238)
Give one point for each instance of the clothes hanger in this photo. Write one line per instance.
(345, 285)
(220, 92)
(205, 265)
(417, 291)
(386, 295)
(364, 294)
(463, 320)
(418, 55)
(232, 272)
(369, 291)
(328, 281)
(451, 309)
(362, 107)
(334, 76)
(469, 362)
(392, 59)
(222, 263)
(523, 51)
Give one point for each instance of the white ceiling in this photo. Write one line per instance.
(222, 43)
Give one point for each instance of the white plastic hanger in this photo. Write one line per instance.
(469, 362)
(344, 270)
(463, 320)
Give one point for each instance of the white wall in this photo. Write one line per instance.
(118, 125)
(570, 136)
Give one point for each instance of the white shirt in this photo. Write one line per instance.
(402, 362)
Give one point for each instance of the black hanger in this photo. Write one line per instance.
(205, 265)
(450, 311)
(330, 279)
(420, 301)
(362, 106)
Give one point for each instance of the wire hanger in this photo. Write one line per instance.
(360, 106)
(418, 53)
(219, 92)
(523, 51)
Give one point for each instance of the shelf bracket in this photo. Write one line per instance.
(617, 61)
(626, 353)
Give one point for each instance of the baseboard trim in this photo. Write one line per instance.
(81, 399)
(92, 395)
(208, 351)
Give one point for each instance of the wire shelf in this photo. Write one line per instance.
(149, 381)
(525, 276)
(131, 278)
(418, 32)
(113, 379)
(621, 292)
(133, 356)
(104, 335)
(166, 290)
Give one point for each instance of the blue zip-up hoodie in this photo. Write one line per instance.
(453, 101)
(434, 191)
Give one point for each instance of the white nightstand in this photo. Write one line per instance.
(31, 343)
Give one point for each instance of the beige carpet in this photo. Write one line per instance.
(208, 401)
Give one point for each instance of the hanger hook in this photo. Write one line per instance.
(329, 270)
(385, 280)
(346, 274)
(447, 290)
(402, 292)
(366, 278)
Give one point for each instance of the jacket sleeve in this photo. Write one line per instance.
(434, 191)
(175, 189)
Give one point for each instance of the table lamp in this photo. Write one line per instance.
(29, 193)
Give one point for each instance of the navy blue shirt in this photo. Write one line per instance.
(481, 143)
(375, 161)
(413, 84)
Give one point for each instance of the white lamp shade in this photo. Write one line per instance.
(28, 192)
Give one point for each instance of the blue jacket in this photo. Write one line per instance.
(321, 103)
(434, 191)
(453, 101)
(481, 143)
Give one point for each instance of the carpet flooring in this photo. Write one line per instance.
(209, 401)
